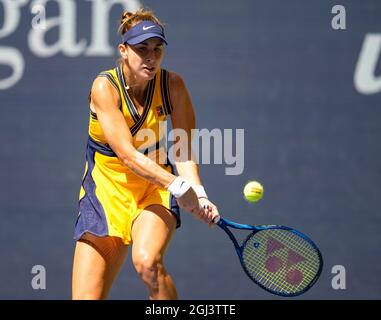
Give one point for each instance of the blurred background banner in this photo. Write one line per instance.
(297, 85)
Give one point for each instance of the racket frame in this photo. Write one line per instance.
(224, 223)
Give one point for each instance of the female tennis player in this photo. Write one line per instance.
(129, 194)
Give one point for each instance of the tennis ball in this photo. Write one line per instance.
(253, 191)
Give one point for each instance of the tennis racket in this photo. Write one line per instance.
(279, 259)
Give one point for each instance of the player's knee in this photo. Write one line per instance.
(149, 268)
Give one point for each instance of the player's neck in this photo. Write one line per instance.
(137, 88)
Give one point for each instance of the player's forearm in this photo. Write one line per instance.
(189, 171)
(148, 169)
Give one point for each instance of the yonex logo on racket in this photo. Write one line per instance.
(279, 263)
(279, 259)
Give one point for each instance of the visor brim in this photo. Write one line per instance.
(144, 37)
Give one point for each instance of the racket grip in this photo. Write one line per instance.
(216, 219)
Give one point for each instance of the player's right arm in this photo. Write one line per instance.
(105, 102)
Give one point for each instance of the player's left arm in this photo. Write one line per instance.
(183, 120)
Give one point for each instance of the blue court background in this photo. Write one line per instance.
(276, 69)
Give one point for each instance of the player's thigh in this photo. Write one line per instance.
(97, 261)
(152, 232)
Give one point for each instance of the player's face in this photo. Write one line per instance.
(144, 58)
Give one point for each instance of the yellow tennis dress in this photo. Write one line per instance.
(111, 195)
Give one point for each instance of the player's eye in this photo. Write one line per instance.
(141, 49)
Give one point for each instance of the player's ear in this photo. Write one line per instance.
(123, 50)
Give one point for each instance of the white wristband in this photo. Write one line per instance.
(200, 191)
(178, 187)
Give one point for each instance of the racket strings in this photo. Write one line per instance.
(277, 270)
(280, 260)
(283, 279)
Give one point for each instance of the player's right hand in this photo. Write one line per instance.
(186, 197)
(209, 211)
(189, 202)
(201, 208)
(193, 199)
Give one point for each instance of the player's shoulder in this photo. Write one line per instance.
(110, 73)
(104, 79)
(101, 86)
(176, 81)
(104, 87)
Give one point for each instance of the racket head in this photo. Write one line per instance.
(281, 260)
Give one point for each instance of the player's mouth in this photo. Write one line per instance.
(149, 69)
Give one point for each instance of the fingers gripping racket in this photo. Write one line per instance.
(279, 259)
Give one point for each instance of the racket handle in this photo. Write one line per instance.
(216, 219)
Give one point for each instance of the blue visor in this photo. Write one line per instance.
(143, 31)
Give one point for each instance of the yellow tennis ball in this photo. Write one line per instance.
(253, 191)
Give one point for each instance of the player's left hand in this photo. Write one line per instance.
(208, 211)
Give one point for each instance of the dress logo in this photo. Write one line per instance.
(159, 110)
